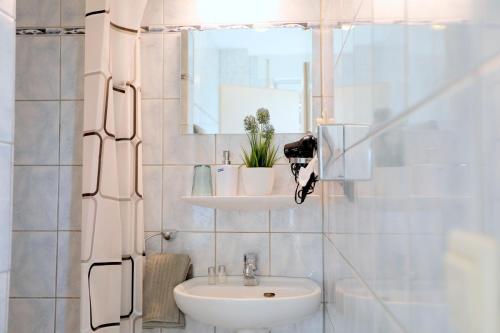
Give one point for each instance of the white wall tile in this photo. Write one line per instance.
(228, 12)
(73, 13)
(68, 264)
(5, 206)
(37, 133)
(232, 142)
(33, 271)
(38, 13)
(7, 68)
(152, 131)
(298, 255)
(284, 182)
(153, 14)
(177, 214)
(67, 315)
(231, 247)
(71, 132)
(199, 246)
(242, 221)
(72, 61)
(9, 7)
(152, 176)
(37, 79)
(184, 149)
(152, 65)
(31, 315)
(35, 198)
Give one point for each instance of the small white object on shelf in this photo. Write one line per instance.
(244, 202)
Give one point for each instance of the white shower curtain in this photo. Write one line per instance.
(112, 217)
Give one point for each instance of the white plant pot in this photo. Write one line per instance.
(257, 181)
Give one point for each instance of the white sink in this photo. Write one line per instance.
(275, 301)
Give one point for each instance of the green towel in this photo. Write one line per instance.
(163, 272)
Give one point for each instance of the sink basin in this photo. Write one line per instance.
(274, 302)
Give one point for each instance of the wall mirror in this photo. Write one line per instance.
(230, 73)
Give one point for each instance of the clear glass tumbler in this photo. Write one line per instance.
(202, 181)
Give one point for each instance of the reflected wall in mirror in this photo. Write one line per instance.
(228, 74)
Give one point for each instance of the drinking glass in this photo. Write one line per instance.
(202, 181)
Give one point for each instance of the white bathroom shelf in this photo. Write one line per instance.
(248, 203)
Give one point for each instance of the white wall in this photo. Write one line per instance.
(7, 63)
(435, 162)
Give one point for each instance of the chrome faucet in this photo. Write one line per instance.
(249, 268)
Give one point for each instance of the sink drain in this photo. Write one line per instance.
(269, 294)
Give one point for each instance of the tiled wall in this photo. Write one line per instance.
(46, 236)
(7, 60)
(435, 147)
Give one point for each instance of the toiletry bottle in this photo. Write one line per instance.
(212, 275)
(227, 177)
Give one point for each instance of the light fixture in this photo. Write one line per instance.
(438, 26)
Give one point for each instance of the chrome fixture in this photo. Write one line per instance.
(166, 234)
(344, 153)
(249, 268)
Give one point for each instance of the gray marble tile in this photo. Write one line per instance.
(35, 198)
(152, 65)
(31, 315)
(5, 205)
(37, 133)
(152, 130)
(231, 247)
(192, 326)
(234, 220)
(7, 75)
(177, 214)
(72, 66)
(199, 246)
(311, 324)
(172, 65)
(70, 198)
(72, 13)
(153, 245)
(37, 79)
(38, 13)
(67, 315)
(152, 176)
(4, 300)
(298, 255)
(71, 132)
(184, 149)
(33, 264)
(306, 217)
(68, 264)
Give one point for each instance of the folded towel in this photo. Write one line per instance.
(163, 272)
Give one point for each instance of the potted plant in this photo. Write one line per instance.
(258, 174)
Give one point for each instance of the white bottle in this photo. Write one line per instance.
(226, 177)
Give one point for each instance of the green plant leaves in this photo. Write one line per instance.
(262, 154)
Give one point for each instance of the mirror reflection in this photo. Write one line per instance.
(228, 74)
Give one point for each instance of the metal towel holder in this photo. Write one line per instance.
(166, 234)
